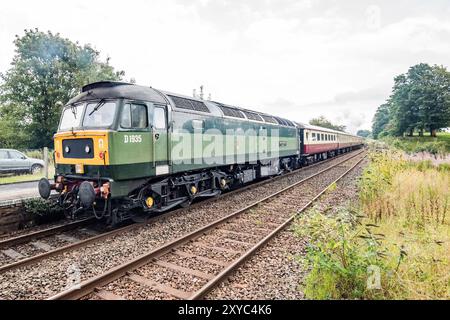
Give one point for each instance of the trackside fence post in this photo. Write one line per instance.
(46, 162)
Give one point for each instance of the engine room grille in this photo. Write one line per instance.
(253, 116)
(280, 121)
(230, 112)
(290, 123)
(189, 104)
(268, 119)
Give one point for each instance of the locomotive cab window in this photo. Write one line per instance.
(99, 114)
(134, 116)
(71, 117)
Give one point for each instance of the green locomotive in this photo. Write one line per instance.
(122, 150)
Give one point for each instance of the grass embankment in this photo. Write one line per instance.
(436, 146)
(37, 154)
(395, 244)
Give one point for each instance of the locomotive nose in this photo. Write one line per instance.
(86, 193)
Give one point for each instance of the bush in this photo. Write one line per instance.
(341, 254)
(43, 211)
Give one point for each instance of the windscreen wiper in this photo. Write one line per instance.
(100, 104)
(74, 110)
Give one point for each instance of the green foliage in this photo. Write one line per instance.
(435, 146)
(12, 134)
(364, 133)
(47, 70)
(43, 211)
(401, 229)
(420, 100)
(341, 254)
(380, 121)
(323, 122)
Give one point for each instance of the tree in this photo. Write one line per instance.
(420, 100)
(12, 133)
(381, 120)
(324, 122)
(47, 70)
(364, 133)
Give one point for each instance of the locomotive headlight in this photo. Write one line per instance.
(149, 202)
(67, 149)
(87, 149)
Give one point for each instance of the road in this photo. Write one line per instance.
(18, 190)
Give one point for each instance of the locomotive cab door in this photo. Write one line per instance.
(160, 139)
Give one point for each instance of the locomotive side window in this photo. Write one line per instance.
(134, 116)
(159, 118)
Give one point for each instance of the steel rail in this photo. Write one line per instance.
(248, 254)
(88, 286)
(85, 242)
(44, 232)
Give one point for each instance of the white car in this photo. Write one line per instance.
(13, 161)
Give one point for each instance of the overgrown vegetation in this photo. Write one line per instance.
(435, 146)
(400, 230)
(43, 211)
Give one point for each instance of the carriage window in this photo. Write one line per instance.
(307, 136)
(134, 116)
(159, 118)
(321, 137)
(313, 136)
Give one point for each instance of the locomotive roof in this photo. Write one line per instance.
(112, 89)
(116, 89)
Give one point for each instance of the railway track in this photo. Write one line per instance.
(216, 249)
(27, 249)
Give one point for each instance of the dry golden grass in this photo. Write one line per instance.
(410, 203)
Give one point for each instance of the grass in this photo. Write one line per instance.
(37, 154)
(438, 145)
(25, 177)
(400, 231)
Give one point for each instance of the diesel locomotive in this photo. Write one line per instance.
(126, 151)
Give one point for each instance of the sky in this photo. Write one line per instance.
(296, 59)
